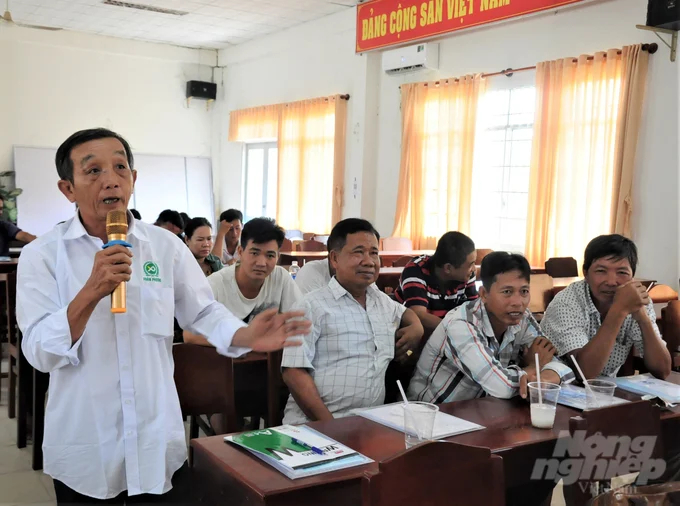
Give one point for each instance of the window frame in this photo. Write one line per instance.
(266, 146)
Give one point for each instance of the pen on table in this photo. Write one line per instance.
(316, 450)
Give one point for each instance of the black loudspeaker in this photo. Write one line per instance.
(201, 89)
(664, 14)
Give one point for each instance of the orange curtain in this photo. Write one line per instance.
(634, 62)
(311, 142)
(578, 154)
(437, 147)
(254, 123)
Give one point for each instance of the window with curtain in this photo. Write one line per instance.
(438, 137)
(307, 155)
(299, 178)
(500, 184)
(540, 164)
(587, 121)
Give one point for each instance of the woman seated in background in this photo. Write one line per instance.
(198, 236)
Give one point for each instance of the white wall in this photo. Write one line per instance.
(54, 83)
(312, 60)
(317, 59)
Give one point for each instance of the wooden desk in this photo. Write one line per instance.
(9, 266)
(223, 470)
(389, 277)
(560, 284)
(387, 257)
(286, 257)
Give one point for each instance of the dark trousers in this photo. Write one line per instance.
(180, 493)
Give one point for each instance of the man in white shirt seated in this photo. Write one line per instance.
(247, 288)
(314, 274)
(228, 236)
(600, 318)
(255, 282)
(341, 364)
(113, 425)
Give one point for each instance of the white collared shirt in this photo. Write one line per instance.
(348, 349)
(313, 275)
(113, 419)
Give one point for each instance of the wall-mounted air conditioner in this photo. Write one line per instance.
(411, 58)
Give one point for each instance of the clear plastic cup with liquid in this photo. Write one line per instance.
(599, 393)
(419, 420)
(544, 406)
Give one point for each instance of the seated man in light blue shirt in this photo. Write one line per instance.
(356, 331)
(113, 424)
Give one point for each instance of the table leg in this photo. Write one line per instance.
(25, 374)
(40, 384)
(12, 398)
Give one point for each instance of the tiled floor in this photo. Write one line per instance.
(19, 484)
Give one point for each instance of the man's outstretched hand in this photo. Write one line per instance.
(270, 331)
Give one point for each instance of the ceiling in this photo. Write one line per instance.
(211, 24)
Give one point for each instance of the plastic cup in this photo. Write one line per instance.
(419, 422)
(543, 408)
(599, 394)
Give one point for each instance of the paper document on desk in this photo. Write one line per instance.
(392, 415)
(298, 451)
(575, 397)
(647, 384)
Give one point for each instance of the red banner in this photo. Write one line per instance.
(382, 23)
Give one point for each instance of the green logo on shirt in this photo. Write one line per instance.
(151, 272)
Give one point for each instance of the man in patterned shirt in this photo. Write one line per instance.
(480, 347)
(600, 318)
(434, 285)
(341, 365)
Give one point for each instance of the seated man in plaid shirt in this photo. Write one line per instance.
(356, 331)
(480, 347)
(434, 285)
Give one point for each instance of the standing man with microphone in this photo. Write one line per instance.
(113, 424)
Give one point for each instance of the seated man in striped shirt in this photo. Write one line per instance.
(434, 285)
(480, 348)
(356, 331)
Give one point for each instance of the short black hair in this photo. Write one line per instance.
(261, 230)
(453, 248)
(231, 214)
(172, 217)
(136, 214)
(63, 158)
(185, 218)
(610, 246)
(195, 223)
(500, 262)
(338, 237)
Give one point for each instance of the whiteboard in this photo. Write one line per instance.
(163, 182)
(42, 205)
(199, 177)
